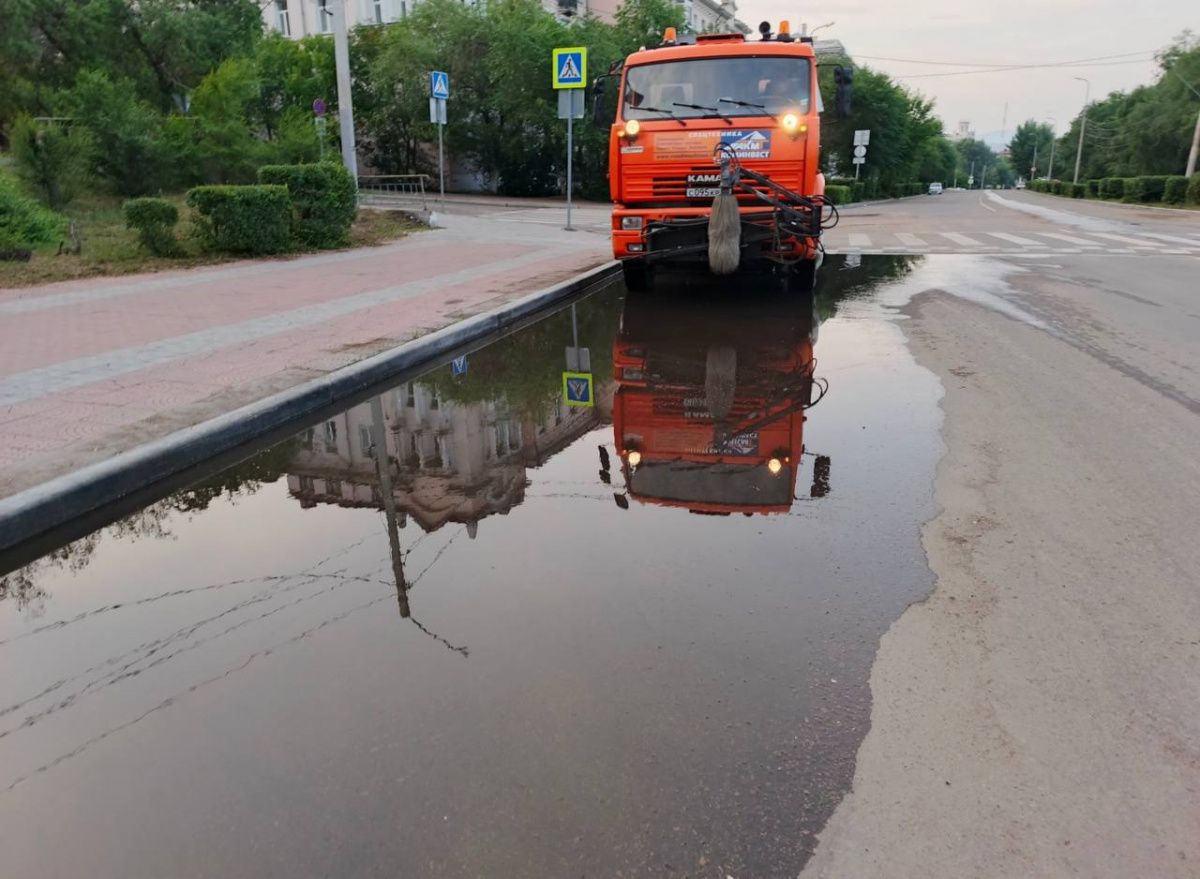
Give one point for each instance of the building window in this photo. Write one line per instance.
(410, 399)
(331, 436)
(378, 4)
(333, 487)
(324, 16)
(306, 484)
(366, 439)
(446, 451)
(281, 18)
(404, 8)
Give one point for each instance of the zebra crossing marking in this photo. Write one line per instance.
(964, 240)
(857, 239)
(1017, 239)
(1070, 239)
(910, 240)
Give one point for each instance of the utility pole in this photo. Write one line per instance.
(341, 57)
(1033, 167)
(1195, 151)
(1087, 91)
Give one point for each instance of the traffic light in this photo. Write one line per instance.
(843, 77)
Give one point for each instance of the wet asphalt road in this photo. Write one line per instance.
(512, 663)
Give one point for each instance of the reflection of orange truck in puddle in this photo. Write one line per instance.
(713, 124)
(709, 409)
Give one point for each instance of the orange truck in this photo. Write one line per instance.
(710, 404)
(710, 117)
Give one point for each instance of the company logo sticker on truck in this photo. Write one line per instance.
(687, 145)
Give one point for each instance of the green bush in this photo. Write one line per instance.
(324, 200)
(1145, 189)
(1075, 190)
(1093, 189)
(839, 194)
(154, 219)
(25, 224)
(51, 159)
(1193, 190)
(243, 219)
(1175, 190)
(1112, 187)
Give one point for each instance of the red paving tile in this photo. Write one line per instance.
(41, 436)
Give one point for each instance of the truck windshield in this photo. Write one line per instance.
(739, 86)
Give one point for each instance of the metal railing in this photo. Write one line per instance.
(389, 188)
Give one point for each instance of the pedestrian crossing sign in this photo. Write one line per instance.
(577, 389)
(570, 68)
(439, 84)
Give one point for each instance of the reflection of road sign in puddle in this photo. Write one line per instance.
(577, 389)
(458, 366)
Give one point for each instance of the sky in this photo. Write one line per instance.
(1013, 32)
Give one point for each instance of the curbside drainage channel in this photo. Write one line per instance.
(73, 504)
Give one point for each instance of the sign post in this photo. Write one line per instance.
(569, 78)
(439, 93)
(862, 137)
(318, 107)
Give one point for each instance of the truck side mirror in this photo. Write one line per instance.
(843, 77)
(598, 100)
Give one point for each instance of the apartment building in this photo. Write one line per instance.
(302, 18)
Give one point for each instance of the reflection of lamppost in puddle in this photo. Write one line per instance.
(383, 466)
(389, 503)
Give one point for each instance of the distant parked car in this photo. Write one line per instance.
(935, 189)
(1020, 184)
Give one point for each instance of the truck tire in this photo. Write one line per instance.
(638, 275)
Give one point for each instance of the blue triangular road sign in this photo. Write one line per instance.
(568, 71)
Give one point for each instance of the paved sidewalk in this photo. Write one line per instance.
(90, 368)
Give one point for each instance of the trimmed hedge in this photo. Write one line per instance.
(1175, 190)
(1144, 189)
(25, 224)
(1112, 187)
(1075, 190)
(243, 219)
(839, 194)
(154, 219)
(324, 200)
(1193, 190)
(1093, 189)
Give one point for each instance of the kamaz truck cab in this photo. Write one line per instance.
(709, 117)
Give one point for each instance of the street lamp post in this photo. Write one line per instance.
(341, 56)
(1087, 91)
(1053, 143)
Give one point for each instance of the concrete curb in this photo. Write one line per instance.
(55, 504)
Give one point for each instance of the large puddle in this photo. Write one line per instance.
(466, 629)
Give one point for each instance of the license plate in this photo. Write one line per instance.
(702, 192)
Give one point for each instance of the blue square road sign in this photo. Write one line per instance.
(577, 389)
(439, 84)
(570, 68)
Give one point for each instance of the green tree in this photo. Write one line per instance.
(51, 158)
(128, 133)
(1029, 140)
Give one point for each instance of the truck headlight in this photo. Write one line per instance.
(631, 222)
(632, 127)
(790, 122)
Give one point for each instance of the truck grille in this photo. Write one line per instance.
(666, 182)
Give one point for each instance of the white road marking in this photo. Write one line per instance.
(857, 239)
(1127, 240)
(1017, 239)
(1174, 239)
(911, 240)
(1071, 239)
(964, 240)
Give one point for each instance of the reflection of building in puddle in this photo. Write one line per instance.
(449, 461)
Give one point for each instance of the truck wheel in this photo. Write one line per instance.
(803, 276)
(638, 275)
